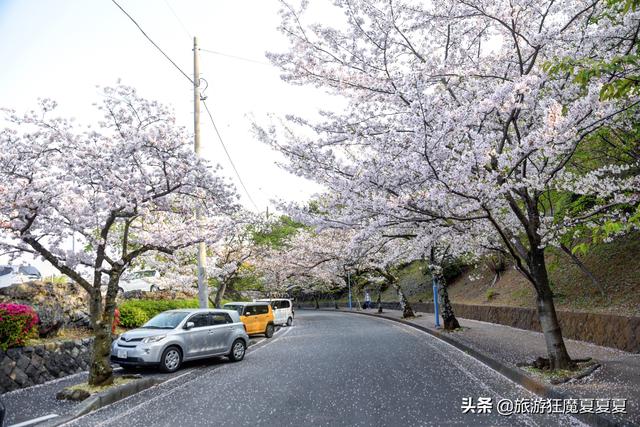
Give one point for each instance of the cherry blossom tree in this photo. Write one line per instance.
(451, 116)
(232, 255)
(129, 186)
(306, 258)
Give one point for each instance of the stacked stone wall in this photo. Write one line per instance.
(27, 366)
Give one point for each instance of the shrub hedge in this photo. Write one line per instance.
(135, 312)
(132, 317)
(17, 324)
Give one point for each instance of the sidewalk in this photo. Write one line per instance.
(619, 376)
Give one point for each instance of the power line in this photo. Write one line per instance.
(178, 19)
(152, 42)
(203, 101)
(234, 56)
(229, 156)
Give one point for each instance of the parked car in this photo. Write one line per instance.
(13, 274)
(143, 280)
(257, 317)
(282, 310)
(175, 336)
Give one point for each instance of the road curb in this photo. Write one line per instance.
(514, 374)
(105, 398)
(115, 394)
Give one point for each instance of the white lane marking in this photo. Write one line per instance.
(35, 420)
(409, 329)
(257, 341)
(168, 392)
(272, 341)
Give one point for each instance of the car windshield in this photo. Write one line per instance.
(235, 307)
(5, 270)
(166, 320)
(133, 276)
(30, 271)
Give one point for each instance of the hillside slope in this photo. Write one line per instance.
(616, 265)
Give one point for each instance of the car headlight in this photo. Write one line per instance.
(156, 338)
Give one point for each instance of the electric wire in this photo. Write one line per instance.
(152, 42)
(215, 128)
(234, 57)
(244, 187)
(178, 19)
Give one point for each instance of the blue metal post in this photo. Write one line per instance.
(435, 302)
(349, 282)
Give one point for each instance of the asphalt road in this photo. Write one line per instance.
(37, 402)
(329, 369)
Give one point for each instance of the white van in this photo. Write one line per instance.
(143, 280)
(282, 310)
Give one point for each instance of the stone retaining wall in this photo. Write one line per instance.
(26, 366)
(608, 330)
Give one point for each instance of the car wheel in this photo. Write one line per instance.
(120, 291)
(171, 359)
(289, 321)
(238, 350)
(269, 331)
(153, 288)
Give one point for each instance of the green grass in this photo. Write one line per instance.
(616, 265)
(559, 374)
(117, 381)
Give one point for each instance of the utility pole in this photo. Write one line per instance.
(203, 291)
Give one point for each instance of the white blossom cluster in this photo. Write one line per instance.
(129, 186)
(454, 134)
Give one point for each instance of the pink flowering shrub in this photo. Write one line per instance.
(17, 323)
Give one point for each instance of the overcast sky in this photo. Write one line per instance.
(62, 49)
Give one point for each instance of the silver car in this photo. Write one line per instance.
(175, 336)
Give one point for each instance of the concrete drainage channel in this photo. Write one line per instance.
(116, 394)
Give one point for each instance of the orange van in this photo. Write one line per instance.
(257, 317)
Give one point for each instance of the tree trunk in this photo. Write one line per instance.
(220, 294)
(95, 306)
(100, 371)
(586, 271)
(315, 298)
(379, 300)
(407, 311)
(495, 280)
(557, 352)
(449, 321)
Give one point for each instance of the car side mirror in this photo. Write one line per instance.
(189, 325)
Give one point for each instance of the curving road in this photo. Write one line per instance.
(329, 369)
